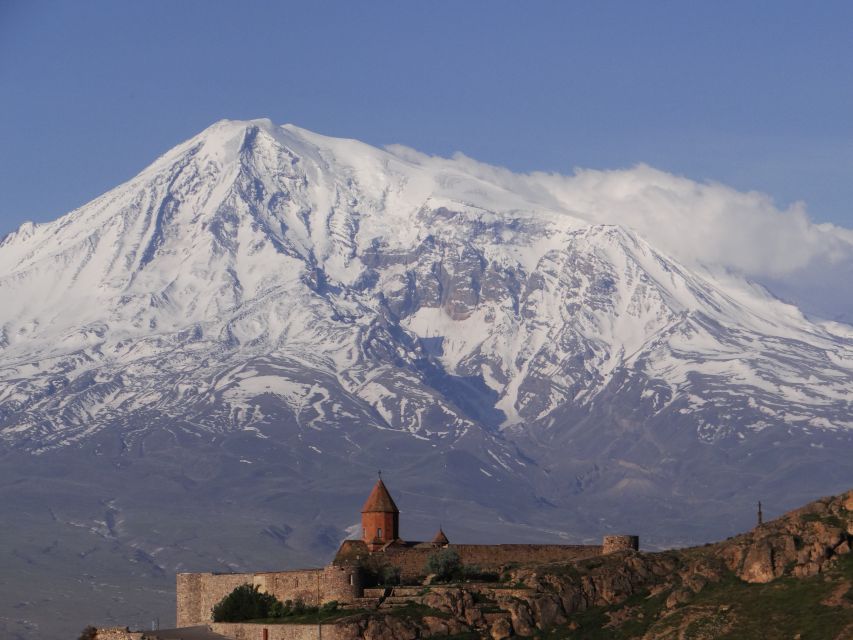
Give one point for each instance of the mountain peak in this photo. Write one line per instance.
(432, 298)
(227, 128)
(222, 142)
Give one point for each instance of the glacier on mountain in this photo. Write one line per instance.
(380, 278)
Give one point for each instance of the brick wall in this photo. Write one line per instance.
(621, 543)
(341, 583)
(374, 523)
(245, 631)
(118, 633)
(489, 557)
(197, 593)
(312, 586)
(494, 556)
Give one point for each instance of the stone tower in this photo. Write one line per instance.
(380, 518)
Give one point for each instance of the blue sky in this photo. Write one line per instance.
(758, 95)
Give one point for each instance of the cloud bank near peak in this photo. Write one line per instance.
(702, 224)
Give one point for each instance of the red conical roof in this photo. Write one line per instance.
(440, 539)
(379, 500)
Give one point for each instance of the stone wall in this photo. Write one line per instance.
(245, 631)
(489, 557)
(197, 593)
(621, 543)
(118, 633)
(312, 586)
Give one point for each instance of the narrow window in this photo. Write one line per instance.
(379, 533)
(351, 579)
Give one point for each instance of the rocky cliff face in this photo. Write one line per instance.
(790, 576)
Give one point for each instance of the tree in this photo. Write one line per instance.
(390, 575)
(444, 564)
(246, 602)
(377, 571)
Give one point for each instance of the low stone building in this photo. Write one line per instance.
(343, 580)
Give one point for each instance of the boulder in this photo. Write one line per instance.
(501, 629)
(547, 611)
(390, 628)
(677, 597)
(758, 565)
(521, 616)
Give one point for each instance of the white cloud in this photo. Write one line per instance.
(701, 224)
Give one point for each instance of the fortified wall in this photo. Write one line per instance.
(411, 559)
(491, 557)
(197, 593)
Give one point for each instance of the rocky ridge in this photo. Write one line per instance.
(653, 596)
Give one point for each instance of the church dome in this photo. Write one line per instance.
(379, 500)
(440, 539)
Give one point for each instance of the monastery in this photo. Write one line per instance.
(344, 579)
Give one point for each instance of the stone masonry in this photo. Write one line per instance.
(342, 580)
(410, 558)
(197, 593)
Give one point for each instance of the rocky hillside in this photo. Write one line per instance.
(789, 578)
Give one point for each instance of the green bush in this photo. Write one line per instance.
(445, 565)
(329, 607)
(279, 610)
(377, 571)
(246, 602)
(390, 575)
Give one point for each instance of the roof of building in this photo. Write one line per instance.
(440, 538)
(379, 500)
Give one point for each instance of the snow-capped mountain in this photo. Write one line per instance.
(311, 308)
(356, 287)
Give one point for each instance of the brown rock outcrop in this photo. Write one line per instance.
(501, 629)
(801, 542)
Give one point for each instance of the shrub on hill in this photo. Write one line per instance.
(445, 565)
(246, 602)
(378, 572)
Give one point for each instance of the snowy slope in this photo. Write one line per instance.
(367, 279)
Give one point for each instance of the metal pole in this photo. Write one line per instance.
(319, 620)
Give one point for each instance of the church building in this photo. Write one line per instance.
(380, 544)
(380, 518)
